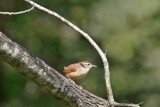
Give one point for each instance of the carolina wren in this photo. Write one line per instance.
(78, 70)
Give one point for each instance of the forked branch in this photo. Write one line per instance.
(98, 49)
(101, 53)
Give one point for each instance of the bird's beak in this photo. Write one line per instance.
(94, 66)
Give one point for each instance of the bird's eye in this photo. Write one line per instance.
(88, 64)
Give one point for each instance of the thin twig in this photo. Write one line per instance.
(103, 56)
(17, 13)
(115, 104)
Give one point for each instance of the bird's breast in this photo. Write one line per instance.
(82, 72)
(78, 74)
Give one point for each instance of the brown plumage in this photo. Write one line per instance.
(78, 70)
(71, 68)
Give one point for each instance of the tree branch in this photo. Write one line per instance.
(43, 75)
(47, 77)
(17, 13)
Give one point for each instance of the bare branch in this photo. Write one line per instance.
(103, 56)
(41, 73)
(47, 77)
(17, 13)
(125, 105)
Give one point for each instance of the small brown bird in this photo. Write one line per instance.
(78, 70)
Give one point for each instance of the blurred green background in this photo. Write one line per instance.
(128, 29)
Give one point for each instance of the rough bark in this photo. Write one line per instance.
(47, 77)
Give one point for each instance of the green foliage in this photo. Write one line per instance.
(128, 29)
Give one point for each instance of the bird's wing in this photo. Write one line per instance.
(71, 68)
